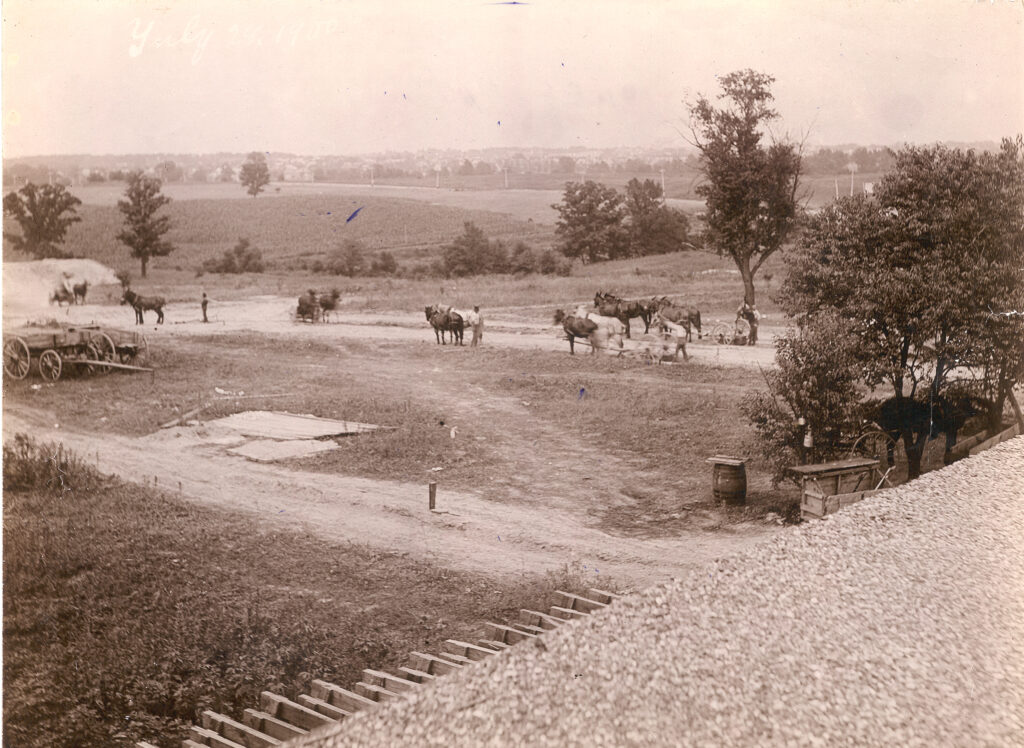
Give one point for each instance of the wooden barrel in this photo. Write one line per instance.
(730, 480)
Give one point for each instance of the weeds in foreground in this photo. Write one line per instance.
(127, 612)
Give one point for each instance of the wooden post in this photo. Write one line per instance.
(432, 487)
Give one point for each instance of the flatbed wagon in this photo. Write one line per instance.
(85, 350)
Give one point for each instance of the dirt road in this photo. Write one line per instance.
(553, 527)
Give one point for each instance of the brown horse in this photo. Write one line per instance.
(579, 327)
(329, 303)
(308, 307)
(686, 316)
(610, 305)
(445, 321)
(142, 303)
(79, 290)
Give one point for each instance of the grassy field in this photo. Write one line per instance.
(127, 612)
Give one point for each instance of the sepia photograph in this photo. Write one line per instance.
(513, 373)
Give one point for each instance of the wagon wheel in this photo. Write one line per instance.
(722, 334)
(50, 365)
(16, 358)
(875, 444)
(742, 329)
(140, 352)
(92, 353)
(105, 350)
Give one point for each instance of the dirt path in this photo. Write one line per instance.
(562, 487)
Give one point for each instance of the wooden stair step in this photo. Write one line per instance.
(389, 681)
(416, 676)
(567, 614)
(236, 731)
(578, 602)
(456, 658)
(338, 696)
(466, 649)
(203, 736)
(506, 634)
(335, 713)
(535, 630)
(603, 596)
(374, 693)
(492, 644)
(272, 726)
(540, 620)
(294, 714)
(430, 664)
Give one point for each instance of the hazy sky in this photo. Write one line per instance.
(335, 76)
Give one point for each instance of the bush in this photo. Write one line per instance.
(241, 259)
(49, 467)
(815, 379)
(384, 264)
(348, 259)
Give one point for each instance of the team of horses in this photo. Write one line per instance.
(313, 306)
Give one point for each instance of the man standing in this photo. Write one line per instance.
(478, 327)
(204, 305)
(752, 316)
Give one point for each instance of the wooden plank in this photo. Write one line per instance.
(189, 743)
(272, 726)
(603, 596)
(236, 731)
(373, 692)
(389, 681)
(525, 627)
(472, 651)
(963, 447)
(292, 713)
(430, 664)
(417, 676)
(506, 634)
(567, 614)
(492, 644)
(204, 736)
(578, 602)
(456, 658)
(338, 696)
(335, 713)
(997, 439)
(540, 620)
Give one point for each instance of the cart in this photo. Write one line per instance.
(735, 334)
(55, 351)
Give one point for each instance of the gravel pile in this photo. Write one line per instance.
(897, 622)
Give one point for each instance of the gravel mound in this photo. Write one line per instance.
(897, 622)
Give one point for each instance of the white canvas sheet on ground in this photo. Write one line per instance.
(290, 425)
(270, 450)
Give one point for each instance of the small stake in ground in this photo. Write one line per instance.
(432, 487)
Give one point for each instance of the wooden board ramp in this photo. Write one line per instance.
(279, 719)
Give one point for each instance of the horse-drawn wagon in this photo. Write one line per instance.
(737, 333)
(86, 350)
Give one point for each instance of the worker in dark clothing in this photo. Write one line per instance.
(752, 316)
(205, 303)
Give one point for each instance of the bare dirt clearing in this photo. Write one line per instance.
(535, 477)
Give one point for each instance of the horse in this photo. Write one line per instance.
(142, 303)
(329, 303)
(308, 307)
(686, 316)
(610, 305)
(442, 321)
(61, 296)
(593, 328)
(79, 290)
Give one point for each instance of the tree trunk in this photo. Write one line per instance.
(915, 452)
(743, 263)
(144, 260)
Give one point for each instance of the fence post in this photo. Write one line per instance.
(433, 495)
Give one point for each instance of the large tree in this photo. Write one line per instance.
(255, 174)
(590, 224)
(144, 229)
(750, 187)
(928, 273)
(653, 227)
(44, 212)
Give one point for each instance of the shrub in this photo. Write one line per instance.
(384, 264)
(348, 259)
(815, 379)
(241, 259)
